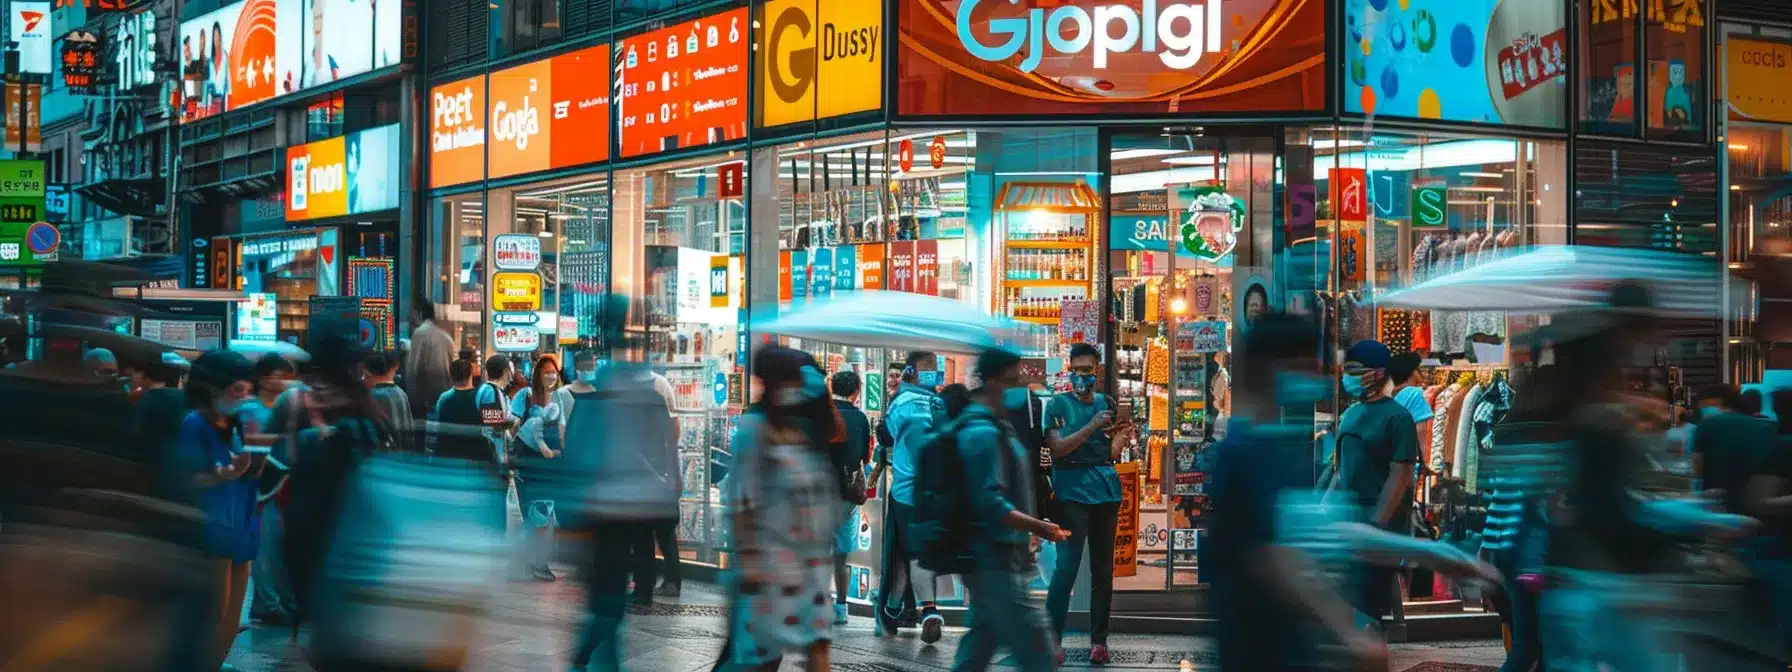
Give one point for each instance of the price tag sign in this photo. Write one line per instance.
(21, 178)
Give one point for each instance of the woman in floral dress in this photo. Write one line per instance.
(786, 505)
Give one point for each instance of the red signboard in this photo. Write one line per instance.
(905, 154)
(1103, 57)
(684, 85)
(901, 267)
(730, 177)
(784, 275)
(927, 267)
(1350, 194)
(1521, 61)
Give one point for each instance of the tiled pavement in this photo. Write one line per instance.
(531, 629)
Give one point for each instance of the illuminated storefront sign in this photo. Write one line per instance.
(684, 85)
(134, 51)
(567, 95)
(1758, 72)
(457, 132)
(348, 175)
(821, 59)
(1034, 57)
(516, 292)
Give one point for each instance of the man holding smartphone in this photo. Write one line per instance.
(1085, 442)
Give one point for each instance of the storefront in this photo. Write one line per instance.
(1151, 195)
(1758, 139)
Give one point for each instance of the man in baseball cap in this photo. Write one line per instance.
(1377, 446)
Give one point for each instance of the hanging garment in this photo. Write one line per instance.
(1438, 423)
(1462, 428)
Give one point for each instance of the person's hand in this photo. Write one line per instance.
(1051, 532)
(549, 453)
(239, 465)
(1368, 653)
(1103, 419)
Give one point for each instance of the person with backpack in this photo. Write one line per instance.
(974, 515)
(1085, 442)
(849, 456)
(780, 488)
(466, 416)
(912, 416)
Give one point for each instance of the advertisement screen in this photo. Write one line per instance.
(819, 59)
(30, 28)
(529, 104)
(1483, 61)
(348, 175)
(1161, 57)
(258, 317)
(457, 132)
(683, 86)
(256, 50)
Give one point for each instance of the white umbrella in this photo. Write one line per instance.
(901, 320)
(254, 349)
(1560, 278)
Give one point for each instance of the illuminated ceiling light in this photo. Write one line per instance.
(1738, 147)
(1178, 305)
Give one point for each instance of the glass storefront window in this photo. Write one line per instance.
(674, 224)
(559, 232)
(455, 275)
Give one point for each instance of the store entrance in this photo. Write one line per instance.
(1189, 220)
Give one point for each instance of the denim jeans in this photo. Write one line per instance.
(1091, 526)
(272, 589)
(1001, 617)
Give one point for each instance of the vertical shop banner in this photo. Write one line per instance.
(1126, 522)
(799, 276)
(1674, 45)
(457, 132)
(846, 268)
(1758, 72)
(732, 179)
(901, 266)
(976, 59)
(927, 267)
(684, 85)
(1349, 194)
(821, 272)
(1353, 249)
(528, 104)
(1481, 61)
(329, 262)
(783, 276)
(871, 266)
(718, 281)
(30, 31)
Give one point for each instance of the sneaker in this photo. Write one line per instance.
(670, 589)
(930, 627)
(883, 626)
(543, 574)
(839, 614)
(1098, 654)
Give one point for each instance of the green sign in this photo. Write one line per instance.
(21, 178)
(21, 210)
(1430, 206)
(874, 391)
(13, 252)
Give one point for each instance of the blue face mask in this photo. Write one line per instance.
(1082, 383)
(1353, 386)
(1295, 389)
(1015, 398)
(589, 376)
(930, 379)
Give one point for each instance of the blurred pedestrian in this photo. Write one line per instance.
(850, 456)
(426, 366)
(913, 414)
(781, 488)
(1733, 444)
(903, 614)
(1378, 444)
(271, 598)
(382, 371)
(996, 479)
(1086, 441)
(1515, 537)
(101, 362)
(211, 444)
(540, 439)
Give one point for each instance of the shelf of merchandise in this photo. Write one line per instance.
(1047, 283)
(1049, 244)
(1053, 320)
(1070, 199)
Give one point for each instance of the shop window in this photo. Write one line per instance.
(1609, 80)
(628, 11)
(528, 24)
(324, 118)
(1676, 72)
(455, 269)
(559, 233)
(458, 32)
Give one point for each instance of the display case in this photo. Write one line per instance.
(1049, 237)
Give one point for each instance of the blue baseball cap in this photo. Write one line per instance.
(1368, 355)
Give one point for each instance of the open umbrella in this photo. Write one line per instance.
(901, 320)
(257, 349)
(1561, 278)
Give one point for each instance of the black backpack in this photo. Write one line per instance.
(941, 534)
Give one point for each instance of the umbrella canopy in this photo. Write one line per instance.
(1559, 278)
(256, 349)
(903, 321)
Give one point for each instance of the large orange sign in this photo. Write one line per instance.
(1032, 57)
(457, 132)
(567, 95)
(683, 86)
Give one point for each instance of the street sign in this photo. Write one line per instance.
(42, 238)
(19, 211)
(21, 178)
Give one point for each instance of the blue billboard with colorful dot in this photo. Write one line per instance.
(1481, 61)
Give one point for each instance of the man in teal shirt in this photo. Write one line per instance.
(912, 415)
(1084, 444)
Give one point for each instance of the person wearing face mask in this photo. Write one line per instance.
(1378, 443)
(1085, 443)
(223, 474)
(913, 414)
(541, 440)
(782, 490)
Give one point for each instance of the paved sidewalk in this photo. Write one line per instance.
(532, 630)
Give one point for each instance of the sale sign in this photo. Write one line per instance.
(927, 267)
(871, 266)
(901, 266)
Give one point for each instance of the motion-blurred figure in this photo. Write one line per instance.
(540, 439)
(223, 471)
(426, 364)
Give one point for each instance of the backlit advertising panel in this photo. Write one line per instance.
(819, 59)
(253, 51)
(1482, 61)
(1101, 57)
(348, 175)
(684, 85)
(567, 95)
(457, 132)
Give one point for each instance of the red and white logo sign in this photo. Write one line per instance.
(31, 19)
(516, 252)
